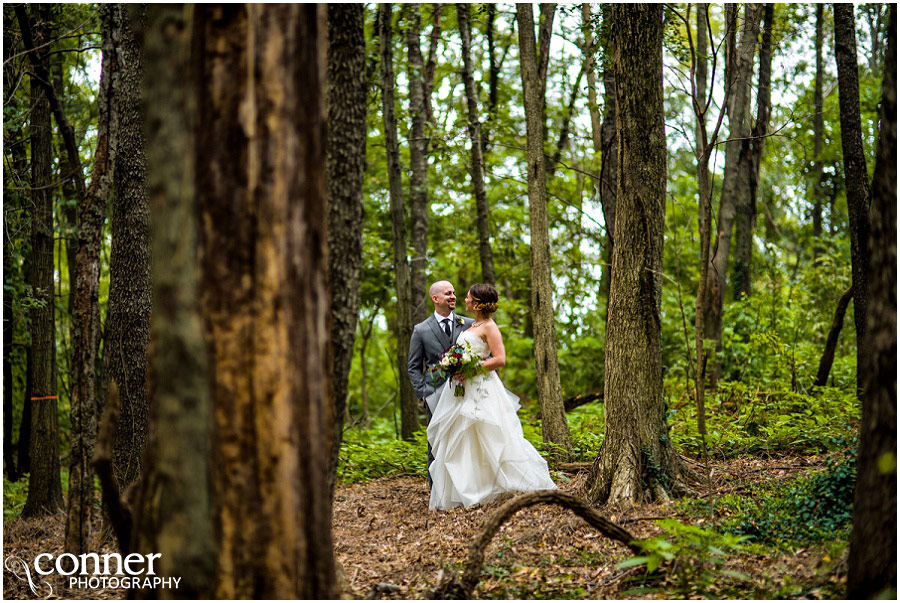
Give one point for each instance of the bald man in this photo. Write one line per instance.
(429, 340)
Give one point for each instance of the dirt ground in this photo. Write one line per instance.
(391, 546)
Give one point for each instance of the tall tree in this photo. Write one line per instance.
(346, 162)
(409, 412)
(534, 73)
(856, 177)
(735, 183)
(172, 511)
(872, 570)
(44, 488)
(418, 165)
(262, 217)
(609, 158)
(636, 431)
(128, 317)
(85, 323)
(475, 139)
(818, 131)
(745, 211)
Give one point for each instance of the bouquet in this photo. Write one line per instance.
(459, 359)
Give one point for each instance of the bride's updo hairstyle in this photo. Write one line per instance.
(485, 298)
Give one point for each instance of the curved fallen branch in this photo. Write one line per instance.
(461, 587)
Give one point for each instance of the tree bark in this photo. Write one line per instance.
(872, 566)
(745, 212)
(172, 508)
(409, 409)
(636, 448)
(553, 415)
(856, 177)
(493, 78)
(418, 164)
(44, 488)
(128, 319)
(434, 37)
(834, 333)
(475, 138)
(346, 163)
(735, 183)
(609, 164)
(818, 133)
(264, 297)
(85, 319)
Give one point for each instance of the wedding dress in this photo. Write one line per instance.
(478, 445)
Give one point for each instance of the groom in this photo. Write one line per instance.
(429, 340)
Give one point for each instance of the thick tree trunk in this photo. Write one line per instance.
(872, 567)
(553, 415)
(409, 408)
(261, 201)
(85, 323)
(475, 138)
(44, 488)
(418, 164)
(128, 320)
(856, 177)
(636, 450)
(831, 342)
(818, 132)
(745, 212)
(735, 183)
(172, 510)
(346, 162)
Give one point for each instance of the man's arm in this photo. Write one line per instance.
(415, 362)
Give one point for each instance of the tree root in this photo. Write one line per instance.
(455, 586)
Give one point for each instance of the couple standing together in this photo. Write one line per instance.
(476, 449)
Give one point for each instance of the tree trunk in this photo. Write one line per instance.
(735, 183)
(493, 79)
(172, 510)
(872, 570)
(477, 166)
(834, 333)
(609, 164)
(346, 163)
(431, 64)
(9, 461)
(636, 449)
(418, 164)
(856, 177)
(745, 218)
(818, 133)
(128, 319)
(553, 415)
(85, 323)
(44, 488)
(409, 409)
(264, 298)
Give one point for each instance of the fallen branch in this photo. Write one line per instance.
(382, 587)
(119, 512)
(572, 467)
(455, 586)
(581, 399)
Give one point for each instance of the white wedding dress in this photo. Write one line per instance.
(477, 441)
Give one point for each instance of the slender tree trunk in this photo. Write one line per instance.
(609, 166)
(264, 297)
(9, 461)
(735, 183)
(553, 415)
(856, 177)
(434, 37)
(567, 119)
(818, 133)
(44, 488)
(172, 510)
(346, 163)
(477, 166)
(23, 444)
(831, 342)
(409, 409)
(745, 212)
(872, 566)
(128, 320)
(493, 78)
(418, 164)
(636, 435)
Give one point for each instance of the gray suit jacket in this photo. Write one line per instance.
(426, 345)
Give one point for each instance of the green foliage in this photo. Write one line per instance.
(689, 561)
(377, 452)
(14, 496)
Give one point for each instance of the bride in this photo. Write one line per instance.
(479, 449)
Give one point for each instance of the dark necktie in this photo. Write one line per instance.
(446, 323)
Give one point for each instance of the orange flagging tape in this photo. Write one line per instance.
(43, 397)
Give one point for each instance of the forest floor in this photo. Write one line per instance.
(391, 546)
